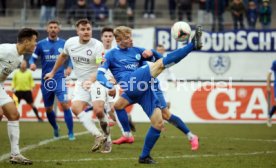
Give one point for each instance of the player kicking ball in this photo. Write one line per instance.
(124, 63)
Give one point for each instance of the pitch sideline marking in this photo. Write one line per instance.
(163, 157)
(44, 142)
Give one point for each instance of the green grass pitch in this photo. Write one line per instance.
(221, 146)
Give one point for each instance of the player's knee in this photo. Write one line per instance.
(99, 112)
(118, 106)
(158, 124)
(13, 116)
(65, 106)
(49, 109)
(166, 114)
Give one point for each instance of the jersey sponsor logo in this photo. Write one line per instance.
(60, 50)
(132, 66)
(51, 57)
(81, 60)
(219, 64)
(230, 103)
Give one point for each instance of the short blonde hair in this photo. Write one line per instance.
(121, 31)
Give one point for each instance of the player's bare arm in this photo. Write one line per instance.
(268, 80)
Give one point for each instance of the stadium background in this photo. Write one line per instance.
(245, 100)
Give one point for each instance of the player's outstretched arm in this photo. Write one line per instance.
(103, 80)
(32, 61)
(60, 61)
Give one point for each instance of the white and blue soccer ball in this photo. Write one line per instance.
(181, 31)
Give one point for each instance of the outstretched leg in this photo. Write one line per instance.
(177, 55)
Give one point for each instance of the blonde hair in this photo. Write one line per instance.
(121, 31)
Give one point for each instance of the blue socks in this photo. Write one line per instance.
(52, 119)
(123, 118)
(68, 120)
(272, 111)
(177, 55)
(151, 138)
(176, 121)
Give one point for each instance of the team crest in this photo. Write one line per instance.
(89, 52)
(60, 50)
(138, 56)
(219, 64)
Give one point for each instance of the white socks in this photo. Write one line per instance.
(105, 128)
(190, 135)
(13, 133)
(88, 123)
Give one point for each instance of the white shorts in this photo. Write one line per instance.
(97, 92)
(4, 97)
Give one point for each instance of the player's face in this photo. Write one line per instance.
(161, 50)
(85, 32)
(30, 45)
(107, 38)
(53, 30)
(126, 41)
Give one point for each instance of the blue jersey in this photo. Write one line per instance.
(128, 64)
(49, 50)
(273, 68)
(122, 62)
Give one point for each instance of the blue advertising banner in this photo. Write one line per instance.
(229, 41)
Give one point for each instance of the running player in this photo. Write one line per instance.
(86, 54)
(124, 62)
(48, 50)
(10, 57)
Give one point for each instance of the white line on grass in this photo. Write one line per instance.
(44, 142)
(164, 157)
(234, 139)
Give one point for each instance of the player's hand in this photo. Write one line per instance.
(68, 71)
(86, 85)
(49, 75)
(112, 80)
(112, 92)
(33, 67)
(147, 54)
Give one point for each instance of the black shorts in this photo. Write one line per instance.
(25, 95)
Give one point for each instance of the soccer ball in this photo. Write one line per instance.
(181, 31)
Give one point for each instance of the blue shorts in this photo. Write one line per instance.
(52, 88)
(159, 93)
(140, 91)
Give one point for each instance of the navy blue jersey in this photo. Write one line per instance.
(49, 50)
(273, 68)
(122, 62)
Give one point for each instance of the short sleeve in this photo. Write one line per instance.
(66, 48)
